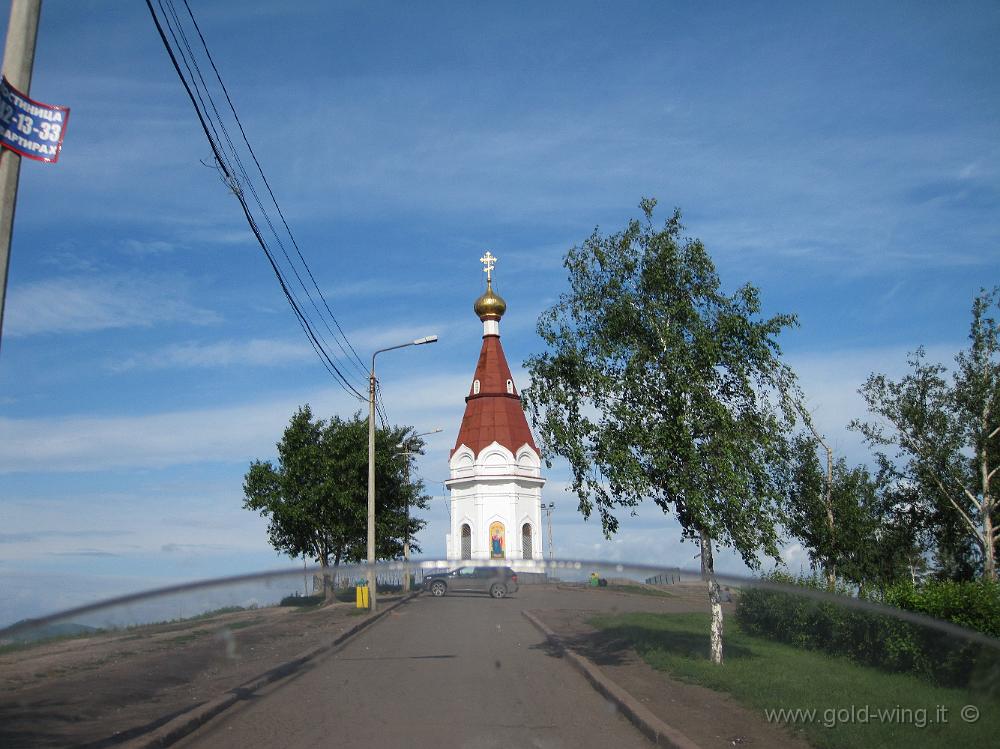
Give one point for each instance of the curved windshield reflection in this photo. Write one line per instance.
(545, 652)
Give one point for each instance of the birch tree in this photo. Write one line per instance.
(854, 526)
(942, 433)
(655, 385)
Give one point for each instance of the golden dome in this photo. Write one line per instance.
(490, 306)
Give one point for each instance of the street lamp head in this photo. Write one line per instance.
(425, 339)
(405, 442)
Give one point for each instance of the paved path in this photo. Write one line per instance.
(459, 671)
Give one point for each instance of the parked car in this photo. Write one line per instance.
(497, 581)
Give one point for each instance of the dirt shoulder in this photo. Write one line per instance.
(104, 689)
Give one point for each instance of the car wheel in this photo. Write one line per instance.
(438, 589)
(498, 591)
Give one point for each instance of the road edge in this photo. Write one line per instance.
(179, 727)
(652, 727)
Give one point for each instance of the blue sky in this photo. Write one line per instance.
(844, 158)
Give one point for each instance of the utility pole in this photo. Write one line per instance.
(18, 61)
(548, 515)
(372, 579)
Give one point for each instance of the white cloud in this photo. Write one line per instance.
(375, 337)
(255, 352)
(378, 287)
(157, 440)
(141, 521)
(794, 555)
(90, 303)
(831, 379)
(232, 433)
(148, 247)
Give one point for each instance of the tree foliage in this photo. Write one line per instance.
(874, 538)
(658, 385)
(941, 435)
(316, 497)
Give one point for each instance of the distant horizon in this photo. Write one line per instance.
(260, 588)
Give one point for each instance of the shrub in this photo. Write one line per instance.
(974, 605)
(882, 640)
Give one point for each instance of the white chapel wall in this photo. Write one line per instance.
(494, 489)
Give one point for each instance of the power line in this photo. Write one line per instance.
(199, 95)
(380, 406)
(274, 200)
(249, 182)
(238, 189)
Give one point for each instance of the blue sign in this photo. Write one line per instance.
(30, 128)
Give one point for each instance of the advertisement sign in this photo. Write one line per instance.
(30, 128)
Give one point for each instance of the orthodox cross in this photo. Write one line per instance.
(488, 261)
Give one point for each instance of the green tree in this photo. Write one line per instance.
(316, 497)
(956, 555)
(852, 525)
(945, 432)
(657, 385)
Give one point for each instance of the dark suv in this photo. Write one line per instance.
(497, 581)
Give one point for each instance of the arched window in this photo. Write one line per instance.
(526, 541)
(510, 386)
(466, 541)
(475, 387)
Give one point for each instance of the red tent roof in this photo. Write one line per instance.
(493, 414)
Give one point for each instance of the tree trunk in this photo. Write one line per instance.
(989, 551)
(714, 597)
(336, 569)
(329, 592)
(986, 508)
(831, 570)
(830, 563)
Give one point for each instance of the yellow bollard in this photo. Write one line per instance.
(361, 596)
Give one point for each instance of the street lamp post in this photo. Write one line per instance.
(548, 516)
(406, 539)
(371, 465)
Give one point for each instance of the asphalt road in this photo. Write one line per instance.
(458, 671)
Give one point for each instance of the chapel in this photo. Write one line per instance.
(495, 467)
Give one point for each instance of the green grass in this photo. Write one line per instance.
(13, 647)
(246, 623)
(214, 613)
(189, 637)
(765, 675)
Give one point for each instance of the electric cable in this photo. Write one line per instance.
(230, 177)
(274, 200)
(239, 161)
